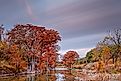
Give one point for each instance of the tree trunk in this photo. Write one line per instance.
(0, 37)
(31, 66)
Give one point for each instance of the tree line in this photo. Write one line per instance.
(107, 51)
(30, 48)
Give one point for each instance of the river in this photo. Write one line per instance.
(64, 75)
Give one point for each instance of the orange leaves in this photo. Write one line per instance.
(106, 53)
(100, 66)
(34, 38)
(3, 50)
(15, 54)
(69, 58)
(42, 65)
(16, 58)
(36, 41)
(23, 64)
(49, 58)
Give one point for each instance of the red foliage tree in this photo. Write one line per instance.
(49, 57)
(69, 58)
(34, 40)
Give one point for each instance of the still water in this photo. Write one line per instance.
(64, 75)
(51, 76)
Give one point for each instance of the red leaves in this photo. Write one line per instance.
(36, 41)
(69, 58)
(16, 58)
(49, 58)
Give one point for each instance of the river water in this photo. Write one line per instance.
(62, 75)
(50, 76)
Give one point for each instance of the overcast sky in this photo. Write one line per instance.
(81, 23)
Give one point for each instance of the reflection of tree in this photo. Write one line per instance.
(50, 76)
(31, 77)
(41, 78)
(68, 75)
(14, 78)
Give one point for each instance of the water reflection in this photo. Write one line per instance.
(30, 77)
(51, 76)
(65, 75)
(60, 77)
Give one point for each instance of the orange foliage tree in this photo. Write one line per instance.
(49, 58)
(69, 58)
(16, 59)
(34, 40)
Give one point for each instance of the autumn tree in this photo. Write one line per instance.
(4, 51)
(107, 50)
(10, 59)
(16, 59)
(50, 57)
(113, 41)
(69, 58)
(34, 40)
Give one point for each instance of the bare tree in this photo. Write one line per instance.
(113, 40)
(1, 31)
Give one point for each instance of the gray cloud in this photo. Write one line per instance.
(82, 41)
(83, 17)
(80, 22)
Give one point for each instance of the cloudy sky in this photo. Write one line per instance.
(81, 23)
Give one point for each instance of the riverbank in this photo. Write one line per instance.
(75, 74)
